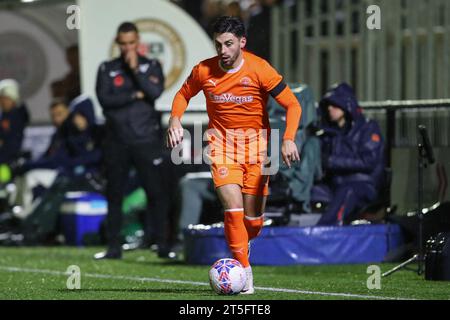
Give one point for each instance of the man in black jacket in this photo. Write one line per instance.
(127, 88)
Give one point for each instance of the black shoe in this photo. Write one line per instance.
(166, 253)
(171, 255)
(110, 254)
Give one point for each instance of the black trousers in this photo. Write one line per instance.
(148, 160)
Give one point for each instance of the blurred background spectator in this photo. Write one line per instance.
(68, 88)
(13, 120)
(71, 162)
(42, 172)
(352, 157)
(255, 14)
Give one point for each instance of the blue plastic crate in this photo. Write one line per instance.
(82, 213)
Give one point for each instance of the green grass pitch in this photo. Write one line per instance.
(40, 273)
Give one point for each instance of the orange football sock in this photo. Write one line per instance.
(254, 226)
(236, 235)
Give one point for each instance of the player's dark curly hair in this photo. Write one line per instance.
(229, 24)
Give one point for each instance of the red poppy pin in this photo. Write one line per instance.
(118, 81)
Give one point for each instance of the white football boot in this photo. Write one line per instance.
(248, 288)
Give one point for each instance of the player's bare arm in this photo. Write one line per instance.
(174, 132)
(289, 152)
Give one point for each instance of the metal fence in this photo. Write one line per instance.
(321, 42)
(399, 120)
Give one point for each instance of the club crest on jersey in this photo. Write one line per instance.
(223, 172)
(246, 81)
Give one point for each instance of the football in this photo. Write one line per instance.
(227, 276)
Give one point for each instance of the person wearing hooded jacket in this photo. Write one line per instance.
(74, 151)
(82, 157)
(83, 137)
(352, 157)
(74, 146)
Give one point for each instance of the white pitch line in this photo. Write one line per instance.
(146, 279)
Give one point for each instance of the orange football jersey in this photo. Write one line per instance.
(236, 98)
